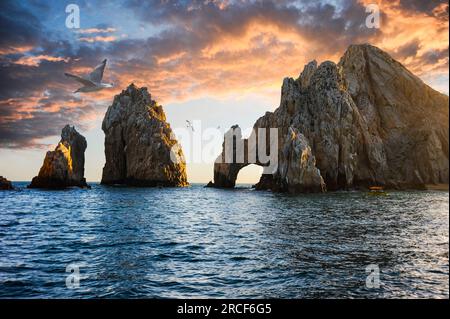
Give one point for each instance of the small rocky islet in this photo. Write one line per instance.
(362, 122)
(63, 167)
(5, 184)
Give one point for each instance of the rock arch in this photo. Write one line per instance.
(264, 151)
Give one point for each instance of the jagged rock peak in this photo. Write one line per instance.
(307, 73)
(63, 167)
(140, 147)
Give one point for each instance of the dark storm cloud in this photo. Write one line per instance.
(425, 6)
(336, 28)
(409, 49)
(433, 56)
(19, 81)
(18, 27)
(39, 124)
(201, 22)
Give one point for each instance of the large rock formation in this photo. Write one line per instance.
(296, 170)
(63, 167)
(362, 122)
(5, 184)
(140, 148)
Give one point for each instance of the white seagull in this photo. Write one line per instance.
(189, 125)
(93, 82)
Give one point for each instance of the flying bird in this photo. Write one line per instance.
(189, 124)
(93, 82)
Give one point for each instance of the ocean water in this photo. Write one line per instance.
(204, 242)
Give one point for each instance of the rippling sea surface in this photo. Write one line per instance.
(204, 242)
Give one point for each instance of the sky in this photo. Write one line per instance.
(219, 62)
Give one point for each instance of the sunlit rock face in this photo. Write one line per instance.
(140, 148)
(363, 122)
(63, 167)
(406, 121)
(5, 184)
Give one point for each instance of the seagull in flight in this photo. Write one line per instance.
(93, 82)
(189, 125)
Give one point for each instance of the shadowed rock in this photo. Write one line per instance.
(63, 167)
(362, 122)
(140, 148)
(5, 184)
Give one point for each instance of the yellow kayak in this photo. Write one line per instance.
(377, 190)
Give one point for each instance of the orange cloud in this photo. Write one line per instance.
(98, 39)
(406, 26)
(13, 50)
(36, 60)
(96, 30)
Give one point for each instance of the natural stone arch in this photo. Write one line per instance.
(231, 160)
(226, 171)
(237, 154)
(249, 175)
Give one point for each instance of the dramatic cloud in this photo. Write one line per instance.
(98, 38)
(183, 50)
(20, 30)
(35, 60)
(430, 7)
(96, 30)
